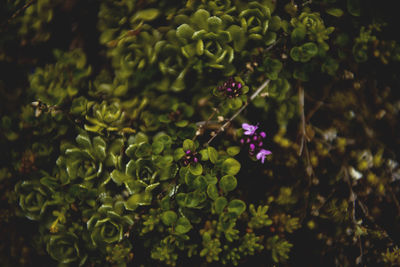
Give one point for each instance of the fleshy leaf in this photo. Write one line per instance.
(237, 207)
(228, 183)
(231, 166)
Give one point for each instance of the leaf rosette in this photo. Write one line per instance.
(105, 117)
(33, 197)
(64, 247)
(206, 38)
(255, 21)
(107, 225)
(85, 161)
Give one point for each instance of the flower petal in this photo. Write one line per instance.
(246, 126)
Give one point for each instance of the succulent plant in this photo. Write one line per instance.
(207, 38)
(105, 117)
(64, 247)
(109, 223)
(32, 198)
(150, 159)
(57, 83)
(87, 161)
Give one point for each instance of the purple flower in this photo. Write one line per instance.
(250, 129)
(230, 88)
(262, 154)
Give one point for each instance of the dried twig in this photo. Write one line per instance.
(303, 119)
(16, 14)
(353, 198)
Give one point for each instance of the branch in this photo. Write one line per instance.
(19, 11)
(353, 198)
(254, 95)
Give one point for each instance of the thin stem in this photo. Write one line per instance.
(254, 95)
(303, 120)
(353, 198)
(8, 22)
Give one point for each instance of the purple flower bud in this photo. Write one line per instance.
(188, 152)
(248, 140)
(233, 84)
(260, 144)
(239, 85)
(195, 160)
(252, 146)
(263, 134)
(242, 141)
(229, 89)
(255, 138)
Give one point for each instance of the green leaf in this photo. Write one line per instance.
(212, 191)
(199, 18)
(118, 177)
(199, 35)
(200, 47)
(143, 150)
(214, 23)
(238, 37)
(189, 145)
(181, 199)
(141, 199)
(157, 147)
(196, 168)
(139, 138)
(336, 12)
(84, 140)
(184, 31)
(204, 154)
(99, 146)
(200, 183)
(233, 150)
(130, 168)
(189, 179)
(212, 154)
(182, 123)
(130, 151)
(237, 207)
(228, 183)
(183, 226)
(231, 166)
(275, 23)
(146, 14)
(211, 179)
(298, 34)
(220, 204)
(193, 199)
(178, 154)
(151, 187)
(354, 7)
(169, 217)
(163, 138)
(235, 103)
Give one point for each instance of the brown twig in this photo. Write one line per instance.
(16, 13)
(303, 120)
(203, 125)
(353, 198)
